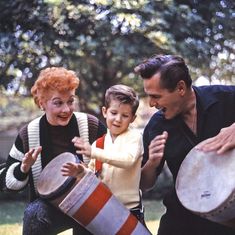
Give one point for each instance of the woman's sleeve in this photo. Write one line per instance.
(12, 178)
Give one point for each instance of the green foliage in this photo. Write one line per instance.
(16, 111)
(103, 40)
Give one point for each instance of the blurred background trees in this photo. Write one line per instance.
(103, 40)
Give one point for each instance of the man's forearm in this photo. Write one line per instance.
(148, 177)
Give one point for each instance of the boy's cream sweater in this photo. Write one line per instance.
(121, 167)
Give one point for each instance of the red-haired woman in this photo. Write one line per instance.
(42, 140)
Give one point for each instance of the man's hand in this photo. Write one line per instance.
(156, 149)
(221, 143)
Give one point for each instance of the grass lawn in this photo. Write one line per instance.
(11, 214)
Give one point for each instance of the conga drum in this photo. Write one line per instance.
(205, 185)
(87, 200)
(52, 185)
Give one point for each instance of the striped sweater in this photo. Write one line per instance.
(54, 140)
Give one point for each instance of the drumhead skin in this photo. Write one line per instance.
(51, 182)
(206, 180)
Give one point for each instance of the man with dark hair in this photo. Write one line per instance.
(186, 116)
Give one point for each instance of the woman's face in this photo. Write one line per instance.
(59, 107)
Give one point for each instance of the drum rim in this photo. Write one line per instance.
(63, 188)
(178, 183)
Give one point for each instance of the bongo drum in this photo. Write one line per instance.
(52, 185)
(205, 185)
(87, 200)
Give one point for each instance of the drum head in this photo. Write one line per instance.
(51, 182)
(206, 180)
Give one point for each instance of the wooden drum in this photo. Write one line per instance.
(87, 200)
(205, 185)
(52, 185)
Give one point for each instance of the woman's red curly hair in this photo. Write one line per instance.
(53, 79)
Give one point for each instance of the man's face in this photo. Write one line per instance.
(170, 102)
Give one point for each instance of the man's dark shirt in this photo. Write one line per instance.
(215, 110)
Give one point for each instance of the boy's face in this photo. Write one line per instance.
(118, 117)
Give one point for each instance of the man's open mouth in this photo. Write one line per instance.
(162, 109)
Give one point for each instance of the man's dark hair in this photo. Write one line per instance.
(171, 68)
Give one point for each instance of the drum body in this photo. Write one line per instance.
(89, 202)
(205, 185)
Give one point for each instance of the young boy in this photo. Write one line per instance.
(118, 163)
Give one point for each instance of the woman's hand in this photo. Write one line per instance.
(29, 159)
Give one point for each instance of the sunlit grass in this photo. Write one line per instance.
(11, 229)
(16, 229)
(11, 215)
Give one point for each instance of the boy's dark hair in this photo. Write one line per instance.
(171, 68)
(124, 94)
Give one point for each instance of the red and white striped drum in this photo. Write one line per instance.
(88, 201)
(205, 185)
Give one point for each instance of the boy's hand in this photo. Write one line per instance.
(82, 146)
(71, 169)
